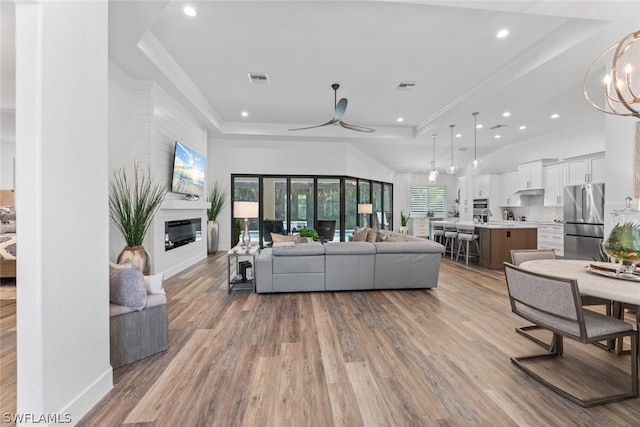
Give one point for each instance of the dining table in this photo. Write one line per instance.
(596, 279)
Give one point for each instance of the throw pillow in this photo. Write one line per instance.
(372, 234)
(153, 284)
(396, 238)
(126, 286)
(275, 238)
(360, 234)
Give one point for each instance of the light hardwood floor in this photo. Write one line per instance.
(376, 358)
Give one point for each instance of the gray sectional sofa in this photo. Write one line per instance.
(339, 266)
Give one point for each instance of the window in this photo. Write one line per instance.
(426, 199)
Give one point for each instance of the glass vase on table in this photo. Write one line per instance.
(623, 243)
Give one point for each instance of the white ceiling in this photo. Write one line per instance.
(449, 48)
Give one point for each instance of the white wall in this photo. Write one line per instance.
(576, 141)
(61, 197)
(7, 158)
(144, 124)
(226, 157)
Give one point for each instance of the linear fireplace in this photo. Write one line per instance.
(181, 232)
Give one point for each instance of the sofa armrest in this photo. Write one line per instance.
(264, 271)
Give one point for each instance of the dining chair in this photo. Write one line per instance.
(466, 235)
(518, 256)
(554, 303)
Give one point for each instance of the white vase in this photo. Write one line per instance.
(403, 230)
(213, 230)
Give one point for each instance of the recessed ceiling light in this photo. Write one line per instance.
(523, 127)
(458, 135)
(497, 136)
(502, 33)
(189, 11)
(506, 114)
(244, 114)
(399, 119)
(479, 126)
(555, 116)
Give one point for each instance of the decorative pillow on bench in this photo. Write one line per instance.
(126, 286)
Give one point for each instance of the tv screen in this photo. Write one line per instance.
(188, 171)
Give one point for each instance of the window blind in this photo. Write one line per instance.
(425, 199)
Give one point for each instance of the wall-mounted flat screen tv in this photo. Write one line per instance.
(188, 171)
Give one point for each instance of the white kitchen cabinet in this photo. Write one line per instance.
(466, 199)
(481, 187)
(554, 182)
(530, 176)
(586, 169)
(508, 183)
(419, 227)
(551, 236)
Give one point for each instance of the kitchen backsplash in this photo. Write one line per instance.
(533, 209)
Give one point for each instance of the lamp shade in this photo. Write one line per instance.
(365, 208)
(245, 209)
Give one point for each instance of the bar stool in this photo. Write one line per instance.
(466, 234)
(450, 238)
(438, 231)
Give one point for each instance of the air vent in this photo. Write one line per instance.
(497, 126)
(463, 148)
(258, 78)
(406, 85)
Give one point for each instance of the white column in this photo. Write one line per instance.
(62, 207)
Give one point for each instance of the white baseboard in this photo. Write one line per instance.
(88, 398)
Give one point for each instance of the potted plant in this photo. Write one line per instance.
(404, 220)
(309, 233)
(132, 206)
(218, 199)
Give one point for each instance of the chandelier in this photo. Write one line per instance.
(433, 173)
(452, 169)
(619, 91)
(475, 163)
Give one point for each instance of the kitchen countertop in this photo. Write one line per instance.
(499, 224)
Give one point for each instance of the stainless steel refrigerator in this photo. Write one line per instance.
(583, 221)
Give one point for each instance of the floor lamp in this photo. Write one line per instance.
(365, 209)
(245, 210)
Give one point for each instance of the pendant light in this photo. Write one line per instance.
(475, 163)
(433, 173)
(452, 169)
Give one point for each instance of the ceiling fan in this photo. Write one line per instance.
(340, 108)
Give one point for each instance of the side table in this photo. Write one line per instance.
(236, 257)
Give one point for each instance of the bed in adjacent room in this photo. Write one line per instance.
(7, 234)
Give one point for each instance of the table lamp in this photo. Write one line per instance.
(245, 210)
(365, 209)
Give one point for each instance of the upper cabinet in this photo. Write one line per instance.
(582, 170)
(465, 184)
(530, 176)
(508, 184)
(554, 182)
(481, 187)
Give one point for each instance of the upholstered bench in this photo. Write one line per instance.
(139, 320)
(134, 334)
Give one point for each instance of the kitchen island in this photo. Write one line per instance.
(497, 239)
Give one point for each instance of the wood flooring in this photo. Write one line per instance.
(437, 357)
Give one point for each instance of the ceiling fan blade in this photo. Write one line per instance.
(356, 127)
(341, 107)
(330, 122)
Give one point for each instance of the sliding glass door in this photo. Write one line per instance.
(274, 208)
(302, 204)
(328, 211)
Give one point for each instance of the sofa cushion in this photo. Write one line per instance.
(349, 248)
(126, 286)
(395, 238)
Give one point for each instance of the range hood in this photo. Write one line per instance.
(530, 192)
